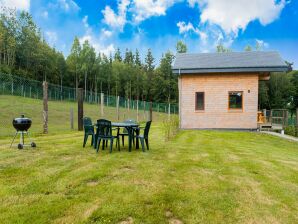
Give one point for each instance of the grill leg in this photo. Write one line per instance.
(22, 138)
(14, 138)
(29, 136)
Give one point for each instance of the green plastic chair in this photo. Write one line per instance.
(125, 132)
(144, 138)
(104, 133)
(88, 130)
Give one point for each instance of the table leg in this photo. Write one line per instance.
(129, 138)
(137, 139)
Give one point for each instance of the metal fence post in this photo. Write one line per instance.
(45, 107)
(80, 109)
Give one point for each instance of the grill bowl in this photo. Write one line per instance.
(22, 123)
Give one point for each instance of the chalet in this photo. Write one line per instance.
(220, 90)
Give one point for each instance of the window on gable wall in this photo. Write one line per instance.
(200, 101)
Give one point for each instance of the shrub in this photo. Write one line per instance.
(170, 127)
(291, 130)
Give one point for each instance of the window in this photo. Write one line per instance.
(200, 100)
(235, 100)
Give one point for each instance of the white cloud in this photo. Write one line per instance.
(138, 10)
(189, 27)
(106, 33)
(192, 3)
(68, 5)
(234, 15)
(144, 9)
(65, 5)
(52, 37)
(184, 28)
(261, 44)
(96, 42)
(16, 4)
(221, 21)
(113, 19)
(85, 22)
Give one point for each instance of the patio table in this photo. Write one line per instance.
(129, 127)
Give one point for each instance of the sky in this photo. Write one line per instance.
(159, 24)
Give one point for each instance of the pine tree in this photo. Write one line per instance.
(149, 68)
(117, 55)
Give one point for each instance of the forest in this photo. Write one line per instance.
(25, 52)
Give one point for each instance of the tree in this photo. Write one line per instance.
(137, 59)
(165, 83)
(61, 66)
(248, 48)
(281, 90)
(294, 79)
(222, 49)
(149, 68)
(129, 57)
(87, 56)
(117, 55)
(73, 60)
(181, 47)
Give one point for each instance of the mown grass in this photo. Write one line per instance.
(59, 114)
(198, 177)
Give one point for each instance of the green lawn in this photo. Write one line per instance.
(198, 177)
(59, 114)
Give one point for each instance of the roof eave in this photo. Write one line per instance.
(228, 70)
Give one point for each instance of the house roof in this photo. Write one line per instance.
(251, 61)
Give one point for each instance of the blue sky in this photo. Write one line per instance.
(159, 24)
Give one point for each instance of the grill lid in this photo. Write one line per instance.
(21, 123)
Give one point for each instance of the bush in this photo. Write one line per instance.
(291, 130)
(170, 127)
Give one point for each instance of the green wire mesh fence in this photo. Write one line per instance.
(24, 96)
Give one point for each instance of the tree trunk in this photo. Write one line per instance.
(85, 84)
(61, 89)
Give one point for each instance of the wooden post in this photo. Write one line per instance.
(101, 103)
(80, 108)
(297, 121)
(45, 107)
(117, 104)
(150, 111)
(144, 107)
(71, 118)
(137, 110)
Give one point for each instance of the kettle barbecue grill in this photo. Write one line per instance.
(22, 124)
